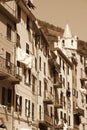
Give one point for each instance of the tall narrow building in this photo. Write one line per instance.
(69, 46)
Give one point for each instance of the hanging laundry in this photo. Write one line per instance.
(24, 58)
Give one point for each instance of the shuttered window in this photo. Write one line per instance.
(27, 107)
(18, 104)
(8, 32)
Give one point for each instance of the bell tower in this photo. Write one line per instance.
(67, 43)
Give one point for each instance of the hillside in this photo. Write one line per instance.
(52, 32)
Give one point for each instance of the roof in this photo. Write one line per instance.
(67, 32)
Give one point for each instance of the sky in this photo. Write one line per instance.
(61, 12)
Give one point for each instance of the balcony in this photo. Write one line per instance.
(74, 60)
(83, 79)
(76, 127)
(48, 119)
(46, 122)
(48, 98)
(9, 10)
(58, 127)
(57, 81)
(58, 104)
(78, 111)
(57, 84)
(83, 82)
(54, 64)
(8, 71)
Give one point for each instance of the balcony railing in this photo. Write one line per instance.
(48, 97)
(57, 84)
(48, 119)
(83, 78)
(54, 64)
(8, 70)
(79, 111)
(58, 104)
(74, 60)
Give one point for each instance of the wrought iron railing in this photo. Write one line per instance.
(48, 95)
(48, 119)
(7, 67)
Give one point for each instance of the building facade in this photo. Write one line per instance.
(42, 85)
(69, 45)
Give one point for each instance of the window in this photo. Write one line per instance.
(27, 73)
(45, 85)
(72, 42)
(64, 82)
(27, 48)
(86, 99)
(69, 120)
(35, 63)
(33, 111)
(51, 90)
(18, 106)
(63, 66)
(28, 22)
(81, 59)
(64, 102)
(33, 83)
(60, 61)
(51, 112)
(37, 40)
(18, 41)
(19, 11)
(60, 78)
(3, 97)
(68, 84)
(27, 107)
(44, 68)
(61, 115)
(63, 42)
(7, 98)
(40, 63)
(65, 116)
(8, 58)
(81, 71)
(40, 112)
(8, 32)
(39, 88)
(68, 70)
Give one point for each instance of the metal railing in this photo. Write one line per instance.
(48, 119)
(48, 95)
(7, 67)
